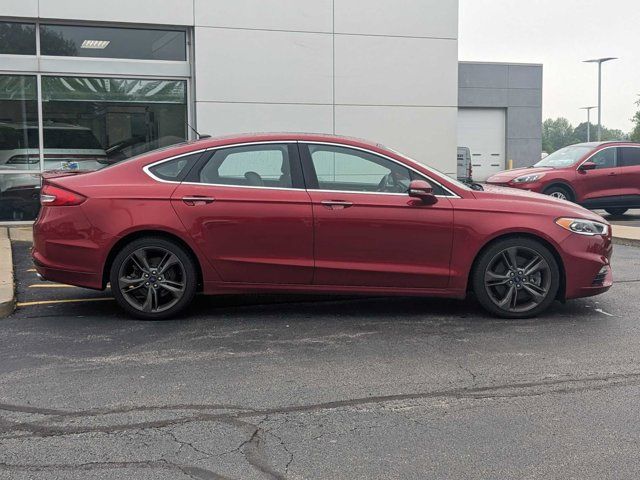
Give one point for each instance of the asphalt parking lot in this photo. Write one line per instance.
(259, 387)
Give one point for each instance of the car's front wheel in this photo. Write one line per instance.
(153, 278)
(516, 278)
(558, 191)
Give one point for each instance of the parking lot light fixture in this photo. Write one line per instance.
(600, 61)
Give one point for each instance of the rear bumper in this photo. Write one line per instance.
(68, 277)
(68, 249)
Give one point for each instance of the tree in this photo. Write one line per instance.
(557, 134)
(635, 133)
(580, 133)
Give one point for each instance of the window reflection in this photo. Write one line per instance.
(92, 122)
(88, 123)
(110, 42)
(17, 38)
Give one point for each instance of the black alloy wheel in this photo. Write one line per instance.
(153, 278)
(516, 278)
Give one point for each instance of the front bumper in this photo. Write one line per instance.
(587, 263)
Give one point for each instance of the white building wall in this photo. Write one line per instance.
(385, 70)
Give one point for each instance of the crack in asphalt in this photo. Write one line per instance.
(508, 390)
(193, 472)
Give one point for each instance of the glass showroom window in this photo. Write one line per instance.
(19, 148)
(92, 122)
(17, 38)
(113, 42)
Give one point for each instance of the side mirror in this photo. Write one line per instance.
(587, 166)
(423, 191)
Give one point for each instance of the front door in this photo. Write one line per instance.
(601, 182)
(247, 210)
(368, 231)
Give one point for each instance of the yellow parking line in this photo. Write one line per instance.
(69, 300)
(51, 285)
(31, 270)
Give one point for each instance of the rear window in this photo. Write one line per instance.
(70, 139)
(175, 170)
(630, 156)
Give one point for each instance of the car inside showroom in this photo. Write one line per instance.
(83, 120)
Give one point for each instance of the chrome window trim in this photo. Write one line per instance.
(146, 169)
(428, 178)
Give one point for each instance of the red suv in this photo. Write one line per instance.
(310, 213)
(602, 175)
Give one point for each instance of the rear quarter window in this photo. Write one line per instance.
(175, 170)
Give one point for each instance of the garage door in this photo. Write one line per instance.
(483, 131)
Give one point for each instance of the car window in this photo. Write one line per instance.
(175, 170)
(630, 156)
(346, 169)
(70, 139)
(253, 166)
(605, 158)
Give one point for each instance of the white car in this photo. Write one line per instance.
(66, 147)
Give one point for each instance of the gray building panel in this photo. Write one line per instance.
(516, 88)
(483, 75)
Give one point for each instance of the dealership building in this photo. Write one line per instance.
(86, 83)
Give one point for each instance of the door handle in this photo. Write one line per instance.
(336, 204)
(191, 201)
(612, 174)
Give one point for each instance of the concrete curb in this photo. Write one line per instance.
(7, 288)
(625, 235)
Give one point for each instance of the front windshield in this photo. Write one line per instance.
(564, 157)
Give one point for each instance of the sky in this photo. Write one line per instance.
(560, 34)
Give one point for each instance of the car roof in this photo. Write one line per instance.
(600, 144)
(284, 137)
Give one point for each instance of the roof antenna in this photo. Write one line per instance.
(200, 137)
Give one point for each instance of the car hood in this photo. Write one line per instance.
(508, 175)
(530, 202)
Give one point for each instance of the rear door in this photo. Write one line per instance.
(247, 209)
(630, 174)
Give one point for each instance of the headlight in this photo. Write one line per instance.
(583, 227)
(529, 178)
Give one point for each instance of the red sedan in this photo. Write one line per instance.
(310, 213)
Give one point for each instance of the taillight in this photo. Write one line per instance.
(51, 196)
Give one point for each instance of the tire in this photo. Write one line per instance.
(616, 212)
(558, 191)
(147, 288)
(491, 277)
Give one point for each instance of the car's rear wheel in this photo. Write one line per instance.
(616, 212)
(558, 191)
(516, 278)
(153, 278)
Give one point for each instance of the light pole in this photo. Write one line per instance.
(600, 61)
(588, 109)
